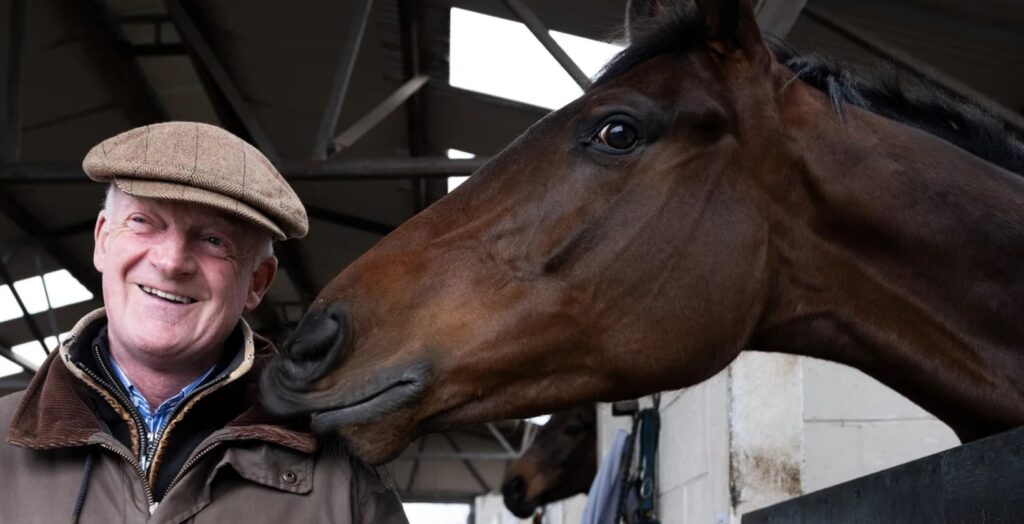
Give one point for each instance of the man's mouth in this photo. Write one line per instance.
(170, 297)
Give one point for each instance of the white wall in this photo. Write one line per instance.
(773, 426)
(853, 426)
(490, 509)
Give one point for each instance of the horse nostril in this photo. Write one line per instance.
(314, 335)
(317, 343)
(514, 490)
(514, 493)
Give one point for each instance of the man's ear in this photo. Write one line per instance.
(262, 277)
(99, 236)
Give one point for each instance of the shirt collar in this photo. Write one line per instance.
(154, 419)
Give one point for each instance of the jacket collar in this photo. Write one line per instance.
(58, 408)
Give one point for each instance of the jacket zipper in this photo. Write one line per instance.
(150, 502)
(170, 420)
(191, 462)
(140, 427)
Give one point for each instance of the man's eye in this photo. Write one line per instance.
(215, 241)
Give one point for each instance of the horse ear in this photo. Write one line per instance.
(732, 24)
(641, 12)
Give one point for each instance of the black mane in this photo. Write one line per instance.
(911, 101)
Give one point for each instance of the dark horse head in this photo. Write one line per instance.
(561, 462)
(699, 199)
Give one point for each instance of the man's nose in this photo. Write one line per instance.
(173, 256)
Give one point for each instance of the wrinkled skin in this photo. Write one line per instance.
(561, 462)
(701, 202)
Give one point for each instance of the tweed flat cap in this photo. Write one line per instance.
(203, 164)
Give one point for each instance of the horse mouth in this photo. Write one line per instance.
(368, 408)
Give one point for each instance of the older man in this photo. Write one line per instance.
(148, 412)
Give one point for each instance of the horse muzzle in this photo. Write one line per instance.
(513, 492)
(315, 349)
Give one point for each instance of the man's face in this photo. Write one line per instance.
(176, 278)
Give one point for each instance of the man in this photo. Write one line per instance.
(148, 411)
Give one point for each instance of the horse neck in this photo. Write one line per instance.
(901, 255)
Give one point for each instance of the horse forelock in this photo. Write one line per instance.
(885, 91)
(681, 30)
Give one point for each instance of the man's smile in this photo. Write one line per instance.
(170, 297)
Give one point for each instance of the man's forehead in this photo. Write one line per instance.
(194, 214)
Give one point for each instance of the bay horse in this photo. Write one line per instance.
(705, 195)
(561, 462)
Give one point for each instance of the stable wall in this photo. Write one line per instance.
(771, 427)
(490, 509)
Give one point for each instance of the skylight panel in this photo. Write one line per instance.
(8, 368)
(502, 58)
(540, 420)
(31, 352)
(63, 289)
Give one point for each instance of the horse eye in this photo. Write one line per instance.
(618, 136)
(573, 429)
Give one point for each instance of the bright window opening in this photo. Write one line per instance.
(502, 58)
(456, 181)
(63, 289)
(31, 352)
(540, 420)
(430, 513)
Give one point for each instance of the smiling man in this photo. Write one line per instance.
(148, 411)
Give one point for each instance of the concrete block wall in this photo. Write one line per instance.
(853, 426)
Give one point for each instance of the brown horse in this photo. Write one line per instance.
(561, 462)
(704, 196)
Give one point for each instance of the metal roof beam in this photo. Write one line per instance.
(347, 220)
(16, 41)
(60, 254)
(348, 169)
(541, 33)
(296, 265)
(378, 114)
(416, 463)
(383, 168)
(458, 455)
(501, 439)
(7, 353)
(342, 76)
(16, 331)
(410, 16)
(141, 92)
(14, 383)
(193, 38)
(465, 461)
(5, 276)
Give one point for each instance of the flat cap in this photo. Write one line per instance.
(202, 164)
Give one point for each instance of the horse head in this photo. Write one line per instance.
(561, 462)
(698, 199)
(608, 252)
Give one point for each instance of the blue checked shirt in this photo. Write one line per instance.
(156, 420)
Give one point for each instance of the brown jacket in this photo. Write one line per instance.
(61, 454)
